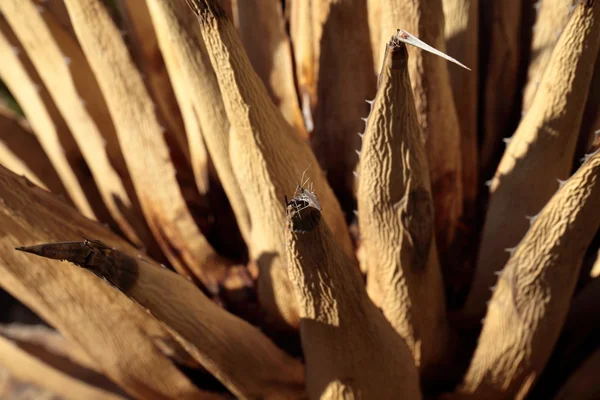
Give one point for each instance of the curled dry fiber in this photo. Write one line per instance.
(299, 199)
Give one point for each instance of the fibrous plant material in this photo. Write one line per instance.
(532, 296)
(40, 338)
(111, 329)
(262, 29)
(374, 16)
(589, 139)
(198, 94)
(214, 338)
(306, 53)
(20, 151)
(141, 134)
(396, 218)
(323, 70)
(351, 350)
(436, 112)
(552, 17)
(541, 150)
(461, 29)
(61, 65)
(266, 155)
(501, 23)
(141, 36)
(27, 367)
(44, 118)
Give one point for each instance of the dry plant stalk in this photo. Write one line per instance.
(589, 140)
(33, 337)
(374, 19)
(266, 155)
(351, 350)
(116, 333)
(395, 214)
(150, 61)
(303, 34)
(59, 12)
(59, 61)
(45, 120)
(541, 150)
(530, 302)
(262, 28)
(338, 25)
(462, 41)
(552, 17)
(232, 350)
(502, 36)
(198, 94)
(147, 153)
(435, 108)
(29, 368)
(11, 387)
(20, 151)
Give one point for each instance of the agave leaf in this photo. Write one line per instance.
(115, 332)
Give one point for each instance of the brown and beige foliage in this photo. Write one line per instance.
(217, 199)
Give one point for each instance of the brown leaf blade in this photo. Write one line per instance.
(262, 29)
(44, 118)
(532, 297)
(525, 178)
(48, 46)
(28, 368)
(111, 329)
(267, 155)
(436, 112)
(147, 156)
(351, 350)
(229, 348)
(396, 219)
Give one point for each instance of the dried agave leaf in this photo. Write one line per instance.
(395, 214)
(461, 29)
(374, 18)
(351, 350)
(45, 120)
(552, 17)
(142, 38)
(147, 155)
(589, 137)
(532, 297)
(39, 337)
(262, 30)
(436, 112)
(20, 151)
(267, 156)
(336, 84)
(198, 95)
(62, 66)
(229, 348)
(501, 31)
(525, 178)
(26, 367)
(303, 39)
(116, 333)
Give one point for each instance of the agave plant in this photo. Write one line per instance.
(228, 234)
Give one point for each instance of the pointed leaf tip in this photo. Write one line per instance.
(405, 37)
